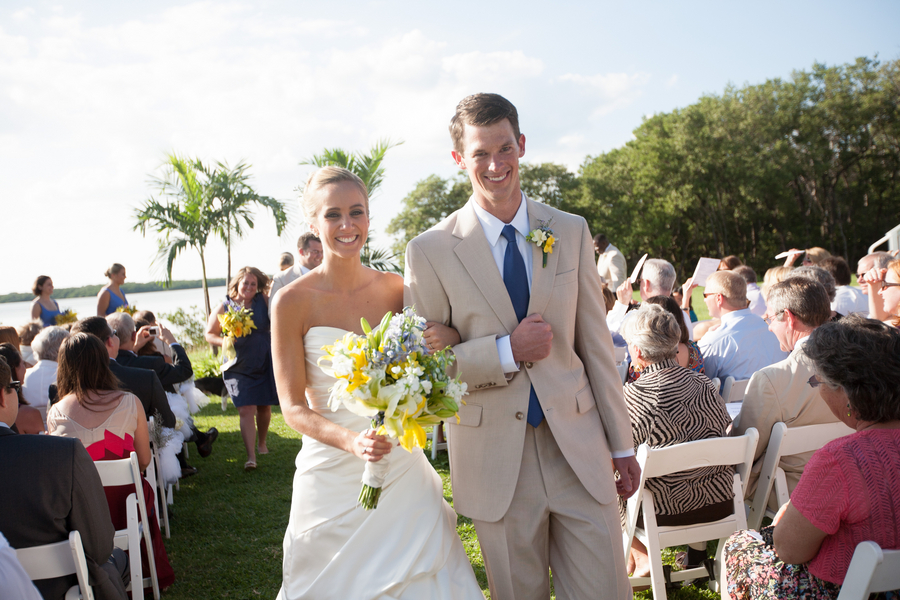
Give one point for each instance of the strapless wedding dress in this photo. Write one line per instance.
(407, 548)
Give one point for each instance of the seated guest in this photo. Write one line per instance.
(36, 387)
(811, 256)
(8, 335)
(145, 318)
(169, 374)
(27, 333)
(143, 383)
(688, 354)
(847, 299)
(50, 487)
(754, 295)
(657, 279)
(669, 405)
(850, 489)
(14, 581)
(773, 276)
(109, 422)
(870, 273)
(44, 307)
(742, 345)
(780, 392)
(29, 419)
(884, 296)
(685, 302)
(730, 263)
(285, 261)
(820, 275)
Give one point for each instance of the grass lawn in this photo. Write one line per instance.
(228, 525)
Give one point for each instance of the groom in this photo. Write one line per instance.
(530, 457)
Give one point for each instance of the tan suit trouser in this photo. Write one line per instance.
(553, 522)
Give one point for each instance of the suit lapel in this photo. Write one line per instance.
(474, 253)
(541, 277)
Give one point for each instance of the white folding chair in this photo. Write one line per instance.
(657, 462)
(717, 383)
(871, 570)
(786, 441)
(433, 436)
(162, 491)
(128, 472)
(57, 560)
(734, 390)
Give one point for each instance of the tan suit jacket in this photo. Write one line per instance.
(452, 278)
(781, 393)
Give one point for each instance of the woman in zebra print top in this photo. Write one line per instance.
(670, 404)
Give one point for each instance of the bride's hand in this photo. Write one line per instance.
(438, 336)
(371, 447)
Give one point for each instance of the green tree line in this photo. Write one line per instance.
(86, 291)
(809, 161)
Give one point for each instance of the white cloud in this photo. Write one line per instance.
(672, 82)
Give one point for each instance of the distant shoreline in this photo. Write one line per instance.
(88, 291)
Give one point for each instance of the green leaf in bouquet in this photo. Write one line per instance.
(365, 326)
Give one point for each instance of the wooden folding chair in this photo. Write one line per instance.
(871, 570)
(57, 560)
(127, 472)
(786, 441)
(657, 462)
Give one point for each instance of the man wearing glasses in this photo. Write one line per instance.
(781, 392)
(309, 247)
(741, 345)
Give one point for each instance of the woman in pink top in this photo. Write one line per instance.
(850, 489)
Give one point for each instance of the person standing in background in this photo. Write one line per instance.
(111, 297)
(309, 247)
(44, 307)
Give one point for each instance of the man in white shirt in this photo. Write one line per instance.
(742, 345)
(310, 250)
(847, 299)
(611, 264)
(781, 392)
(657, 279)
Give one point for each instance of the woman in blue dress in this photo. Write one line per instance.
(249, 378)
(44, 307)
(111, 297)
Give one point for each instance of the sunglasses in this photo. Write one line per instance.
(14, 386)
(885, 284)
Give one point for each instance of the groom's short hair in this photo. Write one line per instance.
(481, 110)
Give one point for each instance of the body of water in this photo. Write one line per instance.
(18, 313)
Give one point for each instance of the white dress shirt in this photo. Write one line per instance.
(741, 346)
(757, 302)
(849, 300)
(493, 228)
(14, 581)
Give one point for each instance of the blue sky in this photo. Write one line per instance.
(92, 94)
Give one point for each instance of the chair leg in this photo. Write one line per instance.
(657, 575)
(134, 549)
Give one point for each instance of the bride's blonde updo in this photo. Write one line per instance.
(325, 176)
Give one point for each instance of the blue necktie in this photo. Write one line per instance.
(516, 279)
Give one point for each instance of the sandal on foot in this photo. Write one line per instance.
(249, 465)
(260, 451)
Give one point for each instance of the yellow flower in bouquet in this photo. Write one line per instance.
(127, 309)
(66, 316)
(388, 376)
(235, 323)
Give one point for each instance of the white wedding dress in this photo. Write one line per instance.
(407, 548)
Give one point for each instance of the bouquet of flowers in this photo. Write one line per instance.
(127, 309)
(66, 316)
(236, 322)
(389, 376)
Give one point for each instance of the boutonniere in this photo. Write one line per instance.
(543, 238)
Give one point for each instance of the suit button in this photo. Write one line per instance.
(520, 416)
(528, 365)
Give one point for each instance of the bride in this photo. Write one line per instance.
(407, 547)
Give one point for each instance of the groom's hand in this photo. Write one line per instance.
(629, 475)
(531, 340)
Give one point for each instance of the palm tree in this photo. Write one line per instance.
(368, 168)
(183, 214)
(233, 197)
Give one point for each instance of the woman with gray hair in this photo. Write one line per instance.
(38, 379)
(670, 404)
(850, 489)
